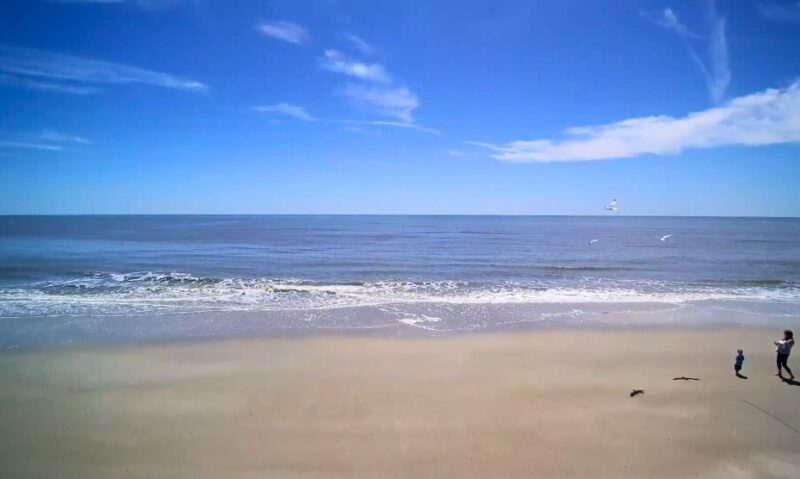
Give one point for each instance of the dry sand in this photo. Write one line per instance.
(541, 404)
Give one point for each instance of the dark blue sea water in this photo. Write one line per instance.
(98, 278)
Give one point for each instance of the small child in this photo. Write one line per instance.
(737, 366)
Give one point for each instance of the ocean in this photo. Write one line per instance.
(146, 278)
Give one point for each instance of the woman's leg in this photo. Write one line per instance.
(781, 363)
(786, 366)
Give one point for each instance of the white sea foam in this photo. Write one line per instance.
(419, 320)
(137, 293)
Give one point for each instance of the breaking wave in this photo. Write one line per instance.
(147, 292)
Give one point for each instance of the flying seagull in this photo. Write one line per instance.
(636, 392)
(665, 237)
(612, 206)
(593, 241)
(684, 378)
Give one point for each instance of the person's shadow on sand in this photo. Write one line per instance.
(790, 382)
(741, 376)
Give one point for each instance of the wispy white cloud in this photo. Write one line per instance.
(392, 124)
(29, 146)
(360, 44)
(337, 62)
(454, 153)
(716, 72)
(47, 86)
(376, 92)
(59, 137)
(764, 118)
(286, 109)
(46, 140)
(285, 31)
(300, 113)
(780, 12)
(397, 102)
(667, 19)
(26, 67)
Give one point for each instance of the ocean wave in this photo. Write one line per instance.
(419, 321)
(158, 278)
(585, 268)
(764, 282)
(755, 282)
(146, 292)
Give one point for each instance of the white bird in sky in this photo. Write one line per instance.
(612, 206)
(593, 241)
(665, 237)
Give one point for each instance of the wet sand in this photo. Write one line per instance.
(539, 404)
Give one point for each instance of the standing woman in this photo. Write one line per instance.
(784, 348)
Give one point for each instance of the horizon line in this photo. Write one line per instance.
(531, 215)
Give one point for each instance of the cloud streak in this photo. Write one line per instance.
(286, 109)
(398, 103)
(785, 13)
(717, 72)
(29, 146)
(285, 31)
(301, 114)
(769, 117)
(337, 62)
(32, 84)
(373, 90)
(393, 124)
(58, 137)
(27, 67)
(47, 140)
(360, 44)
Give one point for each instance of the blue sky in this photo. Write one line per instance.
(447, 107)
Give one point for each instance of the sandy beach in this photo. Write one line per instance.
(538, 404)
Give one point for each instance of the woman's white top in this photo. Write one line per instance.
(784, 346)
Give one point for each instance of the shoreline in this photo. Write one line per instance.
(359, 334)
(550, 403)
(423, 320)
